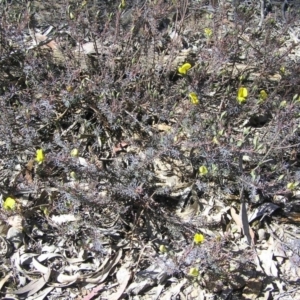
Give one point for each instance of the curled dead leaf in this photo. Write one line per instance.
(242, 222)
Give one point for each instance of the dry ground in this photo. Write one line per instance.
(149, 150)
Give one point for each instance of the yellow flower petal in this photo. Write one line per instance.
(243, 92)
(69, 88)
(194, 272)
(198, 238)
(263, 95)
(242, 95)
(74, 152)
(283, 103)
(9, 204)
(203, 170)
(122, 4)
(208, 32)
(73, 175)
(194, 98)
(45, 210)
(241, 100)
(215, 140)
(184, 68)
(40, 156)
(292, 185)
(162, 249)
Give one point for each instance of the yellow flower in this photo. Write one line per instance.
(208, 32)
(203, 170)
(122, 5)
(194, 98)
(45, 210)
(74, 152)
(215, 141)
(194, 272)
(40, 156)
(296, 99)
(9, 204)
(283, 103)
(198, 238)
(292, 185)
(282, 70)
(242, 78)
(242, 95)
(162, 249)
(184, 68)
(73, 175)
(263, 95)
(69, 88)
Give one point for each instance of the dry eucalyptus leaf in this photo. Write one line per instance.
(47, 256)
(269, 265)
(41, 268)
(16, 221)
(245, 223)
(6, 247)
(4, 280)
(159, 290)
(89, 48)
(42, 294)
(3, 228)
(175, 290)
(34, 286)
(65, 279)
(38, 38)
(94, 292)
(239, 222)
(15, 236)
(123, 277)
(26, 258)
(104, 274)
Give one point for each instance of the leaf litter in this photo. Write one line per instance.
(115, 265)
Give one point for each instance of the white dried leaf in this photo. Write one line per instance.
(5, 279)
(41, 268)
(42, 294)
(35, 285)
(16, 222)
(123, 277)
(82, 161)
(269, 265)
(64, 219)
(15, 236)
(63, 278)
